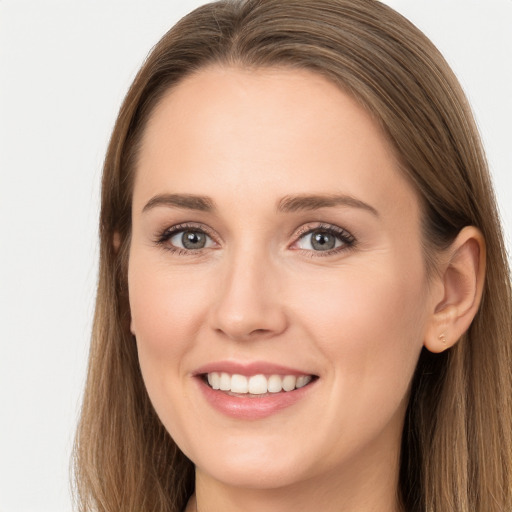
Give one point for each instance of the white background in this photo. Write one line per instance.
(64, 68)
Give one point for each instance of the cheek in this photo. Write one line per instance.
(167, 309)
(354, 302)
(370, 326)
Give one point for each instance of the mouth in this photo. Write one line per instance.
(255, 386)
(254, 390)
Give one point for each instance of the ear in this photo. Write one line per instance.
(461, 280)
(116, 241)
(116, 244)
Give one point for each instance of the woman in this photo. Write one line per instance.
(304, 301)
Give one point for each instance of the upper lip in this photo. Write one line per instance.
(249, 368)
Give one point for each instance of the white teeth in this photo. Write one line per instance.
(239, 384)
(302, 381)
(225, 382)
(275, 384)
(257, 384)
(214, 380)
(289, 382)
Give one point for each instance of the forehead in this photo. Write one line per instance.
(284, 131)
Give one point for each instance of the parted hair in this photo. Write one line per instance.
(456, 452)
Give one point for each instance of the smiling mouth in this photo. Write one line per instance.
(256, 385)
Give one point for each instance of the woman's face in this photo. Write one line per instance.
(275, 243)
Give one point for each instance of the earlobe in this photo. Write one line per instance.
(116, 244)
(116, 241)
(462, 276)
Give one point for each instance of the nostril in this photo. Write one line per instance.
(258, 331)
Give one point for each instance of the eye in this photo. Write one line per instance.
(325, 239)
(190, 239)
(185, 238)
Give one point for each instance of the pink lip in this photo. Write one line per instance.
(248, 369)
(245, 407)
(251, 408)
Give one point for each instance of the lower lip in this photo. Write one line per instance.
(252, 407)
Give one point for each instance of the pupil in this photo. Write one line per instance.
(322, 241)
(193, 240)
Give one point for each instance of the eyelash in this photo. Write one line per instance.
(348, 241)
(168, 233)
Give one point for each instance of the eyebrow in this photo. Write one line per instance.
(315, 202)
(287, 204)
(184, 201)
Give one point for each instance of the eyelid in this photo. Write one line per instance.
(348, 240)
(162, 237)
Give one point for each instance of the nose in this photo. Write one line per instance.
(248, 303)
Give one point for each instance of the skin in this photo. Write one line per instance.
(357, 318)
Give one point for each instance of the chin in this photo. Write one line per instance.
(260, 474)
(256, 461)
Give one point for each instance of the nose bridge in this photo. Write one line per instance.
(248, 300)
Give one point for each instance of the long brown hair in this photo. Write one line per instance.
(457, 441)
